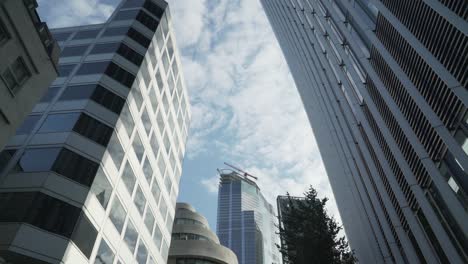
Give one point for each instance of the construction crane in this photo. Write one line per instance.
(245, 174)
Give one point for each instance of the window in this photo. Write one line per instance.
(127, 120)
(165, 101)
(159, 80)
(155, 190)
(61, 36)
(188, 236)
(16, 74)
(137, 97)
(93, 68)
(145, 118)
(65, 70)
(117, 214)
(142, 253)
(165, 25)
(138, 37)
(116, 31)
(139, 200)
(5, 157)
(28, 124)
(115, 150)
(170, 83)
(126, 15)
(74, 51)
(108, 99)
(165, 60)
(40, 210)
(130, 54)
(105, 48)
(133, 3)
(76, 167)
(160, 121)
(131, 236)
(163, 207)
(154, 9)
(138, 147)
(170, 47)
(128, 178)
(105, 255)
(87, 34)
(147, 170)
(149, 220)
(120, 75)
(168, 183)
(157, 236)
(36, 160)
(160, 38)
(93, 129)
(165, 249)
(155, 144)
(101, 188)
(153, 99)
(78, 92)
(50, 94)
(169, 222)
(167, 142)
(161, 165)
(147, 20)
(84, 235)
(59, 123)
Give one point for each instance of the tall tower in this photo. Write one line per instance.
(384, 84)
(193, 242)
(93, 175)
(246, 221)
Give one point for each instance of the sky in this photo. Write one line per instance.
(245, 107)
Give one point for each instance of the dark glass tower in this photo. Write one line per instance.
(92, 175)
(384, 84)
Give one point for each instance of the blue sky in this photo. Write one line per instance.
(245, 107)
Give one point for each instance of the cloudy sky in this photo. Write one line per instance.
(245, 107)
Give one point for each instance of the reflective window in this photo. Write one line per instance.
(59, 123)
(36, 160)
(169, 222)
(126, 15)
(165, 60)
(175, 69)
(78, 92)
(61, 36)
(65, 70)
(154, 144)
(117, 214)
(154, 9)
(87, 34)
(138, 37)
(108, 99)
(133, 3)
(147, 20)
(127, 120)
(165, 101)
(157, 236)
(160, 38)
(101, 188)
(84, 235)
(115, 150)
(170, 47)
(155, 190)
(149, 220)
(93, 129)
(105, 255)
(115, 31)
(28, 124)
(165, 25)
(50, 94)
(120, 75)
(74, 51)
(145, 118)
(137, 97)
(167, 142)
(131, 236)
(160, 121)
(131, 55)
(142, 253)
(170, 83)
(152, 55)
(153, 99)
(165, 249)
(105, 48)
(147, 170)
(75, 167)
(128, 178)
(161, 165)
(163, 207)
(93, 68)
(168, 183)
(139, 200)
(138, 147)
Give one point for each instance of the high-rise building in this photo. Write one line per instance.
(92, 176)
(246, 221)
(384, 84)
(28, 63)
(193, 242)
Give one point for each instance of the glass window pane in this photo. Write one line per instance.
(65, 70)
(140, 200)
(87, 34)
(167, 142)
(165, 60)
(105, 48)
(128, 178)
(163, 207)
(157, 236)
(84, 235)
(142, 254)
(5, 157)
(101, 188)
(59, 123)
(35, 160)
(93, 68)
(147, 170)
(127, 120)
(28, 125)
(160, 120)
(161, 165)
(159, 80)
(61, 36)
(117, 214)
(153, 99)
(77, 92)
(154, 143)
(138, 147)
(131, 236)
(126, 14)
(50, 94)
(74, 51)
(155, 190)
(105, 255)
(168, 183)
(20, 70)
(149, 220)
(137, 97)
(116, 31)
(115, 150)
(75, 167)
(145, 118)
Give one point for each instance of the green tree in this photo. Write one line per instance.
(309, 235)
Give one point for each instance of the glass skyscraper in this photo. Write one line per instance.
(92, 175)
(246, 221)
(384, 84)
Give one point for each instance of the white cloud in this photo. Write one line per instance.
(211, 184)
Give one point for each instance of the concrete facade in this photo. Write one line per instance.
(384, 84)
(94, 176)
(193, 242)
(246, 221)
(29, 57)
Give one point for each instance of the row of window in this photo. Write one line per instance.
(188, 236)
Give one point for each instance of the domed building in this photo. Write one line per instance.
(193, 242)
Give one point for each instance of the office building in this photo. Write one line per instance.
(246, 221)
(384, 84)
(92, 176)
(28, 64)
(193, 242)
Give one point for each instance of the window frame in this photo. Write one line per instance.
(17, 83)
